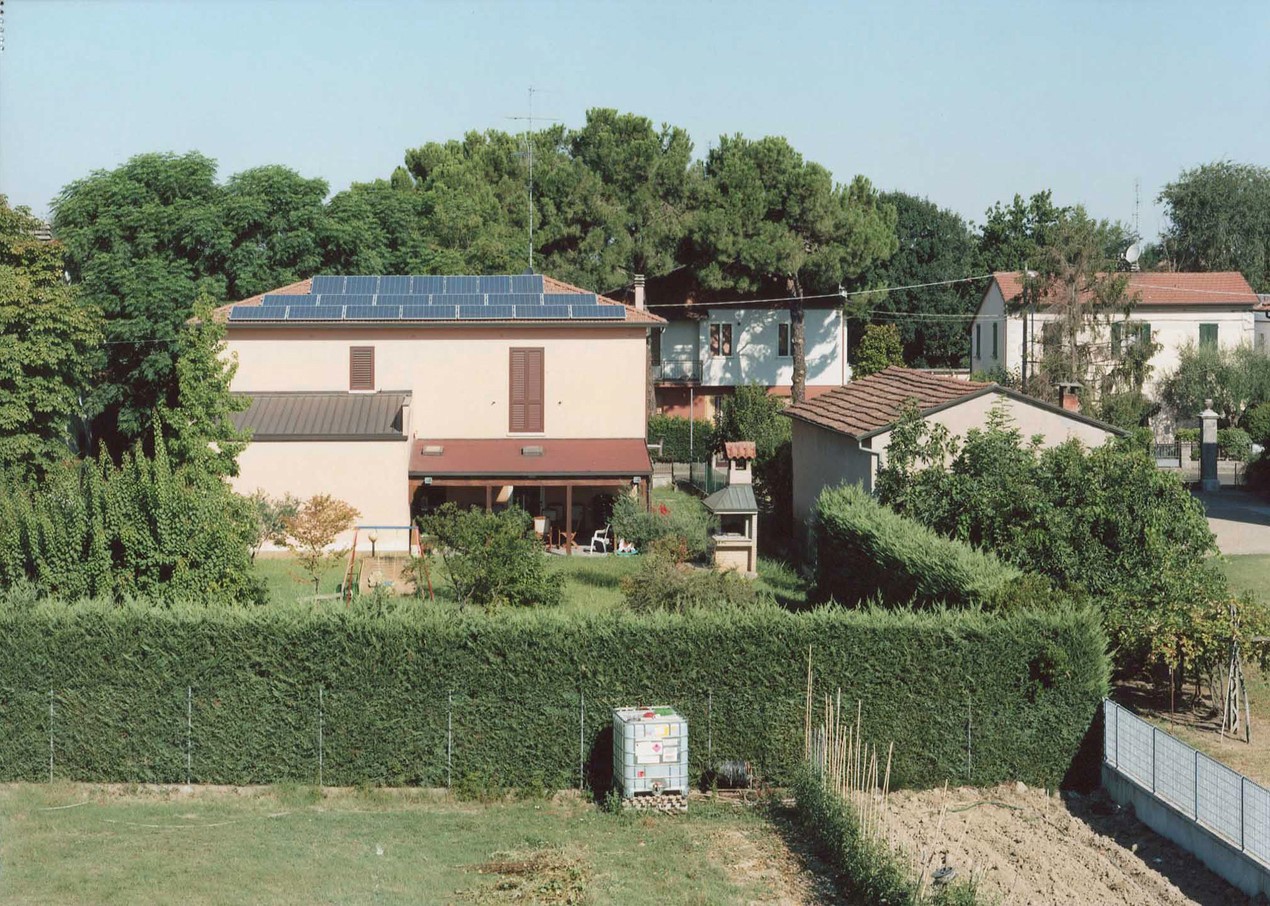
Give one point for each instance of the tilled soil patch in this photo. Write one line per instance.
(1028, 847)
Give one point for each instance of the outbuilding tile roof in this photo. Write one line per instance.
(873, 403)
(323, 416)
(1153, 288)
(734, 498)
(740, 449)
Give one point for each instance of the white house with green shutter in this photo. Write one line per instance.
(1171, 309)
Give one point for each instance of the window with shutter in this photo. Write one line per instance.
(1208, 335)
(782, 341)
(527, 391)
(361, 368)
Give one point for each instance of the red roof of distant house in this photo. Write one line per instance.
(550, 284)
(529, 457)
(1156, 288)
(873, 403)
(740, 449)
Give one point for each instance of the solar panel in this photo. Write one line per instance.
(427, 285)
(569, 298)
(542, 311)
(396, 299)
(486, 312)
(360, 284)
(353, 299)
(527, 283)
(372, 312)
(256, 313)
(315, 313)
(457, 299)
(394, 284)
(279, 300)
(496, 284)
(462, 285)
(607, 312)
(328, 284)
(428, 312)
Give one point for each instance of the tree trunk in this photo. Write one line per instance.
(797, 339)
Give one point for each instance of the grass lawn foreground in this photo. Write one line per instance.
(76, 844)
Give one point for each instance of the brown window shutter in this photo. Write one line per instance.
(527, 393)
(361, 368)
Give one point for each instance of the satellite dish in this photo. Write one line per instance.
(1133, 253)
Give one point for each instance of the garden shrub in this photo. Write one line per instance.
(512, 687)
(688, 521)
(867, 870)
(1257, 423)
(866, 551)
(664, 583)
(493, 558)
(1234, 443)
(142, 527)
(677, 444)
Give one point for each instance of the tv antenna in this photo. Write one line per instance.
(529, 142)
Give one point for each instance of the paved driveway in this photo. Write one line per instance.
(1240, 521)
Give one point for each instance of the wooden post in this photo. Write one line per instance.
(489, 498)
(568, 519)
(647, 482)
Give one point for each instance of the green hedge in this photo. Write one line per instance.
(518, 682)
(866, 871)
(865, 550)
(674, 431)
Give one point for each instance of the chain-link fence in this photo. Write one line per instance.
(1212, 795)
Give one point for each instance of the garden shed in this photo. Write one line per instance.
(736, 541)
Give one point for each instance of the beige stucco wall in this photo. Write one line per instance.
(1031, 420)
(595, 377)
(370, 476)
(823, 459)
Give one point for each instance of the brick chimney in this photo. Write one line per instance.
(1069, 397)
(639, 291)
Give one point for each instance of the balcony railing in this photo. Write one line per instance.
(678, 370)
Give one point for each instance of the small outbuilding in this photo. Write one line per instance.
(842, 436)
(736, 542)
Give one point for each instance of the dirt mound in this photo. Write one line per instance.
(1028, 847)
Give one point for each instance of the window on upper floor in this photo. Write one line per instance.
(782, 341)
(1208, 335)
(361, 368)
(978, 341)
(1124, 333)
(996, 352)
(527, 394)
(721, 340)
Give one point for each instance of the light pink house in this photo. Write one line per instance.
(398, 393)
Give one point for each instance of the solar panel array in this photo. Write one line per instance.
(520, 297)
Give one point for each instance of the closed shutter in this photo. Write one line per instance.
(527, 394)
(361, 368)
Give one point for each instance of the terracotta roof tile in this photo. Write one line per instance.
(1154, 288)
(740, 449)
(875, 402)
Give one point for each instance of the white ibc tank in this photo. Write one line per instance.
(650, 752)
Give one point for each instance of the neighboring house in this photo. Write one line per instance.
(712, 344)
(842, 436)
(399, 393)
(1171, 309)
(1261, 317)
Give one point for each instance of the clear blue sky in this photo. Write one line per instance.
(965, 103)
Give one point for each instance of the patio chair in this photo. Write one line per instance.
(601, 537)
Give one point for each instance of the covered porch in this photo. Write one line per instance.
(567, 485)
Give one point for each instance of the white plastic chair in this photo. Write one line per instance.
(601, 536)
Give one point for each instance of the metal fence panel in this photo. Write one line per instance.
(1256, 821)
(1218, 804)
(1175, 772)
(1134, 748)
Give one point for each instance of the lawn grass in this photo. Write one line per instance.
(1249, 573)
(591, 584)
(73, 844)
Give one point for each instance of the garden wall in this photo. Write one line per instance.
(416, 695)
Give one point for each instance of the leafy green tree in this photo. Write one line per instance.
(275, 221)
(1236, 380)
(47, 346)
(1013, 237)
(879, 348)
(934, 244)
(272, 515)
(772, 223)
(312, 530)
(1219, 219)
(493, 558)
(199, 428)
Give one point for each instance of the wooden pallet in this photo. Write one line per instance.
(671, 802)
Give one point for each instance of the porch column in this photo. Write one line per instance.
(489, 498)
(568, 519)
(1208, 480)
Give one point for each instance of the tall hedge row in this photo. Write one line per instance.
(417, 695)
(682, 440)
(865, 550)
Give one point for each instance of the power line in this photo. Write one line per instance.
(842, 294)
